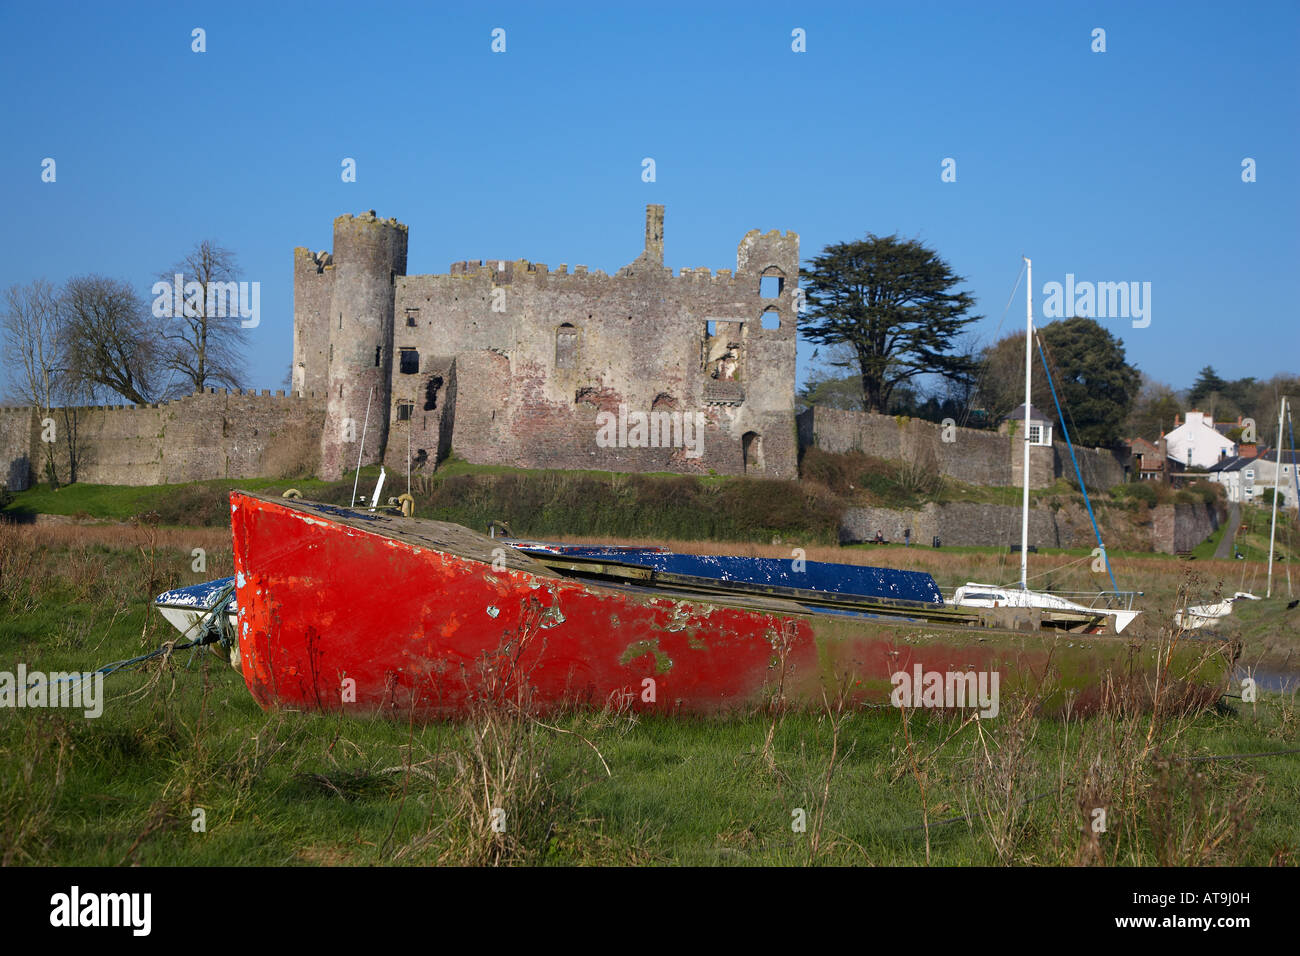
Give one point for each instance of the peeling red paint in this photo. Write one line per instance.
(320, 601)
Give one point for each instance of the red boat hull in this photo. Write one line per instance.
(340, 610)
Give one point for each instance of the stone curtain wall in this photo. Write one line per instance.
(958, 524)
(215, 434)
(17, 463)
(1173, 528)
(976, 457)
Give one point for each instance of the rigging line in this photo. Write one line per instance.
(1004, 531)
(1075, 461)
(984, 369)
(1059, 567)
(1073, 424)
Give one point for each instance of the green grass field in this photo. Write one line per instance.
(184, 735)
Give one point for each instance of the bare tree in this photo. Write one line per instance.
(205, 342)
(30, 339)
(109, 339)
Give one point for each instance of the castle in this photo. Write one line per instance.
(506, 362)
(510, 362)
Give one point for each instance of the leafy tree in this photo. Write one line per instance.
(1095, 384)
(890, 300)
(1208, 385)
(844, 393)
(1000, 380)
(1153, 411)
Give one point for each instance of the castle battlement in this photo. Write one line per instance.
(278, 396)
(496, 349)
(368, 218)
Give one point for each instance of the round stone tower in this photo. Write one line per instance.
(368, 253)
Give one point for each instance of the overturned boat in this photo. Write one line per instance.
(338, 608)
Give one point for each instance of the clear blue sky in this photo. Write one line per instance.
(1115, 166)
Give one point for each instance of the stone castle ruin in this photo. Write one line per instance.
(510, 362)
(505, 362)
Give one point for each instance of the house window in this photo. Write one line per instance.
(410, 361)
(1035, 434)
(1250, 474)
(404, 411)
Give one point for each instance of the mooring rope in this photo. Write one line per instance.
(210, 633)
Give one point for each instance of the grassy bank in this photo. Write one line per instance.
(184, 735)
(535, 503)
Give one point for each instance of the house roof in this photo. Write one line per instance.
(1017, 414)
(1238, 462)
(1235, 463)
(1288, 457)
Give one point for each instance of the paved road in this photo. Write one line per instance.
(1224, 550)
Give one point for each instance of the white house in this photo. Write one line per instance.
(1266, 475)
(1250, 479)
(1196, 443)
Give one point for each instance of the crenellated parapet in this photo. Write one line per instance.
(495, 349)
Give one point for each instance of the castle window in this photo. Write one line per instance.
(771, 319)
(412, 318)
(340, 320)
(410, 361)
(751, 445)
(566, 346)
(721, 353)
(331, 351)
(772, 283)
(404, 410)
(379, 351)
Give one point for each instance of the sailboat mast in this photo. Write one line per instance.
(1277, 474)
(1029, 336)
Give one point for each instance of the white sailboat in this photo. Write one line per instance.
(973, 594)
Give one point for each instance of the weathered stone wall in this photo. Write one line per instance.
(215, 434)
(313, 284)
(509, 362)
(1173, 528)
(958, 524)
(17, 462)
(1181, 527)
(974, 456)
